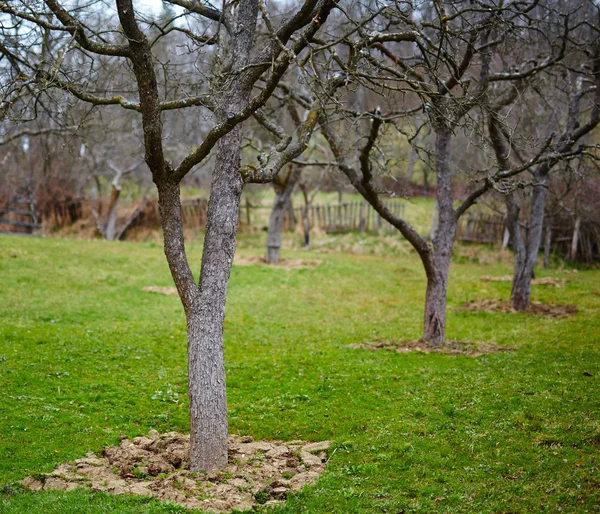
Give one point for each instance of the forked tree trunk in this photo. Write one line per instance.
(204, 304)
(206, 368)
(282, 200)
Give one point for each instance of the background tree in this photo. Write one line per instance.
(573, 104)
(456, 63)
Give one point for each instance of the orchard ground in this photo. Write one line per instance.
(86, 355)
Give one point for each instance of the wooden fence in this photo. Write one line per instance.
(481, 228)
(350, 216)
(576, 241)
(20, 216)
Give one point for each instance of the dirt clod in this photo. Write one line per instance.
(158, 466)
(536, 308)
(449, 347)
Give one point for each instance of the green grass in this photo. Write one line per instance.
(85, 356)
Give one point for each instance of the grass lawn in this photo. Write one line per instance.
(85, 356)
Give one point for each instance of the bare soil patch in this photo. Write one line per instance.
(545, 281)
(169, 291)
(258, 472)
(449, 348)
(536, 308)
(283, 263)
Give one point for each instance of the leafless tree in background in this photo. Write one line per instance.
(458, 63)
(568, 102)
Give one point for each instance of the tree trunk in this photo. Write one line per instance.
(306, 223)
(280, 205)
(526, 254)
(274, 234)
(111, 216)
(411, 165)
(548, 241)
(206, 368)
(434, 329)
(204, 305)
(291, 215)
(575, 240)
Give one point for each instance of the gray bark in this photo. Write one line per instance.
(575, 240)
(280, 205)
(548, 241)
(206, 369)
(111, 224)
(526, 252)
(411, 164)
(434, 222)
(434, 327)
(505, 238)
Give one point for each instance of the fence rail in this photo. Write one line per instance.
(350, 216)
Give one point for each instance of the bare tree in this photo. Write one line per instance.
(581, 83)
(284, 187)
(456, 63)
(242, 52)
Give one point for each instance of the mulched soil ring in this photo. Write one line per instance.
(536, 308)
(449, 348)
(545, 281)
(258, 472)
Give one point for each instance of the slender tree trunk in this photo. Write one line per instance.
(434, 328)
(548, 241)
(526, 253)
(520, 292)
(282, 199)
(274, 234)
(291, 215)
(411, 165)
(575, 240)
(306, 221)
(111, 216)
